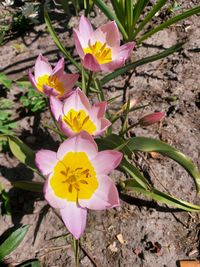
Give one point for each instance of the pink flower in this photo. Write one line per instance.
(52, 82)
(78, 179)
(75, 114)
(100, 50)
(151, 118)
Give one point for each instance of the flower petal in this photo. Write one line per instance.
(64, 127)
(91, 63)
(106, 195)
(56, 107)
(102, 126)
(45, 160)
(98, 109)
(74, 218)
(113, 65)
(78, 44)
(49, 91)
(112, 33)
(106, 161)
(123, 51)
(42, 67)
(77, 101)
(32, 80)
(81, 142)
(59, 68)
(85, 30)
(68, 81)
(52, 199)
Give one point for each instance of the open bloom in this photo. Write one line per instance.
(78, 179)
(100, 50)
(52, 81)
(75, 114)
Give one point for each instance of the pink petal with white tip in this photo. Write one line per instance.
(74, 218)
(85, 30)
(77, 101)
(106, 161)
(42, 67)
(82, 142)
(52, 199)
(106, 195)
(45, 160)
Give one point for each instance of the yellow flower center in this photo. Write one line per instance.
(101, 52)
(74, 177)
(79, 121)
(51, 82)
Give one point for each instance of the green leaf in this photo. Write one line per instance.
(159, 4)
(140, 62)
(157, 195)
(21, 151)
(145, 144)
(139, 7)
(57, 41)
(169, 22)
(13, 241)
(5, 81)
(30, 263)
(29, 186)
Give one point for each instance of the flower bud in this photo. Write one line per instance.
(151, 118)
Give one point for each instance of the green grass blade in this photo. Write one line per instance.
(160, 196)
(106, 10)
(145, 144)
(57, 41)
(137, 11)
(13, 241)
(169, 22)
(150, 15)
(119, 11)
(140, 62)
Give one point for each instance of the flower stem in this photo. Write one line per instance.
(89, 83)
(76, 249)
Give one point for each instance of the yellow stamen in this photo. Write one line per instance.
(74, 177)
(101, 52)
(51, 82)
(79, 121)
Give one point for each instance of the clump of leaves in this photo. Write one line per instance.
(32, 100)
(5, 82)
(6, 124)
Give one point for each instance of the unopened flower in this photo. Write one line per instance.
(151, 118)
(100, 50)
(78, 179)
(75, 114)
(52, 81)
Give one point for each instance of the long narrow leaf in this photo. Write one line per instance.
(161, 197)
(106, 10)
(169, 22)
(140, 62)
(57, 41)
(145, 144)
(149, 16)
(13, 241)
(139, 7)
